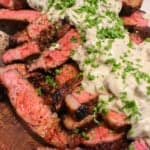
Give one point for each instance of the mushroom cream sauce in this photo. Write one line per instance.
(108, 59)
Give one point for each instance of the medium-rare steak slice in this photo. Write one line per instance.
(21, 52)
(31, 109)
(136, 38)
(55, 57)
(102, 138)
(129, 6)
(13, 4)
(19, 15)
(59, 95)
(40, 29)
(21, 68)
(116, 120)
(66, 73)
(72, 124)
(138, 25)
(139, 144)
(136, 20)
(80, 103)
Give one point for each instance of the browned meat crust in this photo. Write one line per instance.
(21, 52)
(21, 68)
(139, 144)
(54, 58)
(129, 6)
(100, 136)
(40, 30)
(72, 124)
(29, 106)
(13, 4)
(66, 73)
(116, 120)
(19, 15)
(138, 26)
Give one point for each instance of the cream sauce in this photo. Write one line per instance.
(109, 60)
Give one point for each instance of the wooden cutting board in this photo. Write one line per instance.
(13, 135)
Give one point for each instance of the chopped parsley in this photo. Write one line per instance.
(59, 4)
(130, 44)
(113, 63)
(83, 134)
(110, 33)
(129, 107)
(101, 107)
(148, 90)
(49, 80)
(74, 40)
(90, 77)
(131, 147)
(147, 39)
(39, 91)
(57, 71)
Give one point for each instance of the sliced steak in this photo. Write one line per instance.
(31, 109)
(21, 68)
(66, 73)
(136, 38)
(136, 20)
(40, 29)
(138, 26)
(58, 96)
(62, 27)
(116, 120)
(129, 6)
(72, 124)
(13, 4)
(21, 52)
(102, 138)
(139, 145)
(19, 15)
(80, 103)
(55, 57)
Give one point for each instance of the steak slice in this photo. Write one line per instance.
(72, 124)
(136, 20)
(13, 4)
(130, 6)
(19, 15)
(116, 120)
(29, 106)
(66, 73)
(40, 29)
(80, 103)
(138, 26)
(102, 138)
(139, 144)
(58, 96)
(21, 52)
(136, 38)
(55, 57)
(21, 68)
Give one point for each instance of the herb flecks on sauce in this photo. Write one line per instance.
(108, 58)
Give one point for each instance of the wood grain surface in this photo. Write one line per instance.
(13, 135)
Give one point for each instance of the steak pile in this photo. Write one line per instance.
(43, 83)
